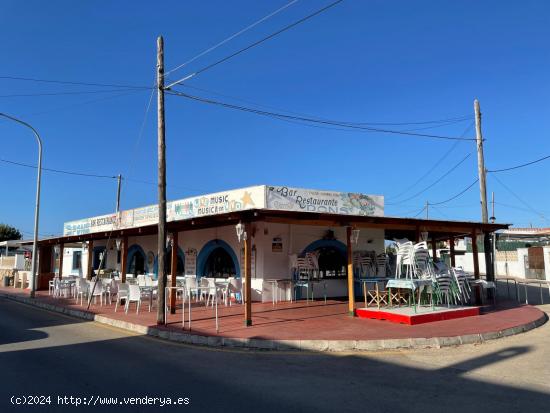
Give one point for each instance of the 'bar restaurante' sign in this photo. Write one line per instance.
(309, 200)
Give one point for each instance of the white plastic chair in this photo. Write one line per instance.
(134, 296)
(121, 294)
(404, 259)
(191, 287)
(81, 290)
(97, 291)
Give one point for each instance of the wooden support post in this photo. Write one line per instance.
(434, 249)
(351, 292)
(90, 265)
(173, 271)
(61, 253)
(417, 235)
(475, 254)
(248, 274)
(452, 251)
(161, 241)
(123, 259)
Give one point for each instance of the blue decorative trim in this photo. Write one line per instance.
(135, 249)
(207, 250)
(326, 243)
(168, 254)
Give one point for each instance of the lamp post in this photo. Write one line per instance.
(37, 202)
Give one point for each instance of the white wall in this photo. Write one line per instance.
(512, 268)
(546, 252)
(269, 264)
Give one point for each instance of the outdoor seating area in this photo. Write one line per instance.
(417, 280)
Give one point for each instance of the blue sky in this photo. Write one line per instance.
(361, 61)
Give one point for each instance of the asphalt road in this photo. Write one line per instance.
(46, 354)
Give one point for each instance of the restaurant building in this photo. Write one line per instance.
(279, 224)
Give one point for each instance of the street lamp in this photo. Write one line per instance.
(37, 203)
(241, 233)
(354, 236)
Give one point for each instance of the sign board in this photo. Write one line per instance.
(277, 244)
(199, 206)
(252, 263)
(191, 261)
(279, 198)
(284, 198)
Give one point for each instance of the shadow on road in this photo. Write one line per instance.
(239, 381)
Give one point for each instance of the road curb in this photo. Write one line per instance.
(284, 345)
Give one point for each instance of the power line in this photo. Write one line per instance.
(440, 122)
(419, 212)
(455, 196)
(282, 116)
(63, 93)
(238, 52)
(520, 166)
(87, 102)
(234, 35)
(433, 183)
(436, 164)
(65, 82)
(59, 171)
(519, 198)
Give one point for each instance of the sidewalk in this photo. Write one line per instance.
(290, 326)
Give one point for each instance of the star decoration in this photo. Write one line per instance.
(247, 199)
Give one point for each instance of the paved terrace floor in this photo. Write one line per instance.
(307, 321)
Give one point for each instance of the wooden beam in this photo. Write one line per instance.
(434, 249)
(248, 275)
(61, 253)
(90, 259)
(452, 251)
(351, 292)
(475, 254)
(123, 259)
(173, 271)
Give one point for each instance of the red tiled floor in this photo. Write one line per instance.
(295, 321)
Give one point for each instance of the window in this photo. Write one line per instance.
(219, 264)
(77, 260)
(332, 263)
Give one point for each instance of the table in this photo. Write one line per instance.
(407, 284)
(149, 289)
(275, 287)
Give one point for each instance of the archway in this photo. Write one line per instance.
(332, 257)
(217, 259)
(137, 261)
(168, 263)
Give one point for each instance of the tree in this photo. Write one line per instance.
(8, 232)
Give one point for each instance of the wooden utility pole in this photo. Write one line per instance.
(427, 210)
(482, 174)
(481, 164)
(161, 183)
(119, 179)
